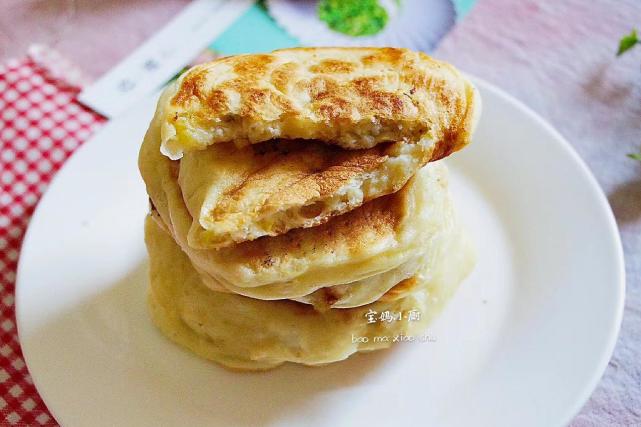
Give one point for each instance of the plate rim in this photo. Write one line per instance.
(617, 246)
(588, 177)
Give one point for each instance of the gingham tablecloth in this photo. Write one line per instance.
(41, 124)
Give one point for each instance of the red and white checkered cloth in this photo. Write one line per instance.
(41, 124)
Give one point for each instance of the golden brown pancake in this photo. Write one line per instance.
(351, 97)
(247, 334)
(353, 294)
(448, 260)
(239, 194)
(375, 238)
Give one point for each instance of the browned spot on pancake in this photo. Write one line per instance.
(256, 96)
(453, 133)
(414, 78)
(401, 289)
(322, 87)
(217, 102)
(365, 85)
(447, 145)
(445, 94)
(327, 98)
(384, 103)
(375, 220)
(389, 55)
(190, 87)
(334, 171)
(331, 66)
(324, 298)
(283, 75)
(333, 108)
(235, 84)
(336, 316)
(281, 102)
(253, 101)
(313, 210)
(295, 173)
(174, 168)
(252, 67)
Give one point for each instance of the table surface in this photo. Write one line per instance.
(557, 57)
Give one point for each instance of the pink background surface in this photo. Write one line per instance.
(556, 56)
(94, 34)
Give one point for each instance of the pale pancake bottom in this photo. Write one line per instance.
(243, 333)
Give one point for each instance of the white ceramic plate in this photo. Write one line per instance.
(524, 342)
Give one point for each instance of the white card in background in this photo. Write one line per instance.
(162, 56)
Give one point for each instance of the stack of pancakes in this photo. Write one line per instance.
(298, 211)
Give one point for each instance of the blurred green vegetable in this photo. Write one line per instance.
(353, 17)
(627, 42)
